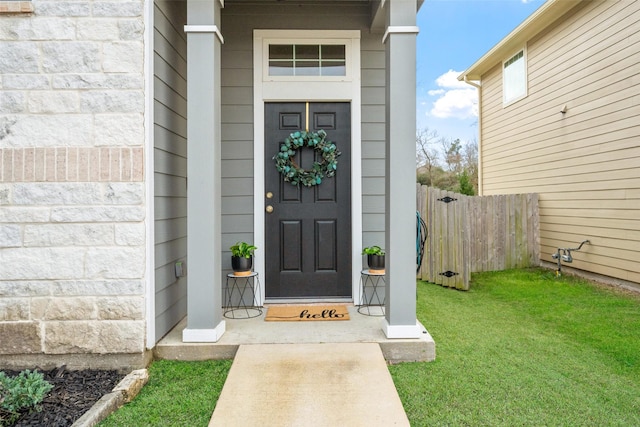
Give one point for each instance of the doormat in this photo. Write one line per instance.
(302, 313)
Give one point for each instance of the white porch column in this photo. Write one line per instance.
(204, 289)
(400, 200)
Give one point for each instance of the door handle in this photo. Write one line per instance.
(269, 209)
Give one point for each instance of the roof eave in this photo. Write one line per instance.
(543, 17)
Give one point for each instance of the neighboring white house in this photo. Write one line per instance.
(560, 116)
(109, 108)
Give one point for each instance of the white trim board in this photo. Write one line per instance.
(150, 273)
(345, 89)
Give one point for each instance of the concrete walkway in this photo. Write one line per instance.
(332, 384)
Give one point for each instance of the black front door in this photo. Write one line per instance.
(308, 231)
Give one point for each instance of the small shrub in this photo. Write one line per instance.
(22, 393)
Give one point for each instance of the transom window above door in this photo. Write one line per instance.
(307, 60)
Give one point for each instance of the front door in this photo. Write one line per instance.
(308, 229)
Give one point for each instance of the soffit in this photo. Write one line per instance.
(542, 18)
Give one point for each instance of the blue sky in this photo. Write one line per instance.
(453, 35)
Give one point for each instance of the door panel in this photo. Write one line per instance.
(308, 233)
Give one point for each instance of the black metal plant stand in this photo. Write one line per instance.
(373, 304)
(241, 296)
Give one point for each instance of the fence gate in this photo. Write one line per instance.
(446, 258)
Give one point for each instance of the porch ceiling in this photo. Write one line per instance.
(376, 6)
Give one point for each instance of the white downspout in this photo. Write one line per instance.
(479, 87)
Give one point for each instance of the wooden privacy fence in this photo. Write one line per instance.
(469, 234)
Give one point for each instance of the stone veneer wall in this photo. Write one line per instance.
(72, 195)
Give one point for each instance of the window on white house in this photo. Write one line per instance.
(307, 60)
(514, 78)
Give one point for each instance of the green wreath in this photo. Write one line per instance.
(291, 172)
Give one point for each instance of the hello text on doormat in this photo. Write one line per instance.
(302, 313)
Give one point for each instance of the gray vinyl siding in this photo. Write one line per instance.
(237, 109)
(373, 139)
(170, 162)
(583, 163)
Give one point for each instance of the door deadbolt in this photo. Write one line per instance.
(269, 209)
(269, 195)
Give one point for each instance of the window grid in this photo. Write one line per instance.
(300, 63)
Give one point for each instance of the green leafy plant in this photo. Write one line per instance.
(22, 393)
(243, 250)
(373, 250)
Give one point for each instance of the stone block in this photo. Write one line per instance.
(62, 130)
(10, 236)
(25, 81)
(118, 9)
(41, 263)
(64, 8)
(117, 262)
(131, 385)
(98, 81)
(94, 337)
(12, 102)
(131, 29)
(64, 308)
(25, 288)
(121, 308)
(10, 214)
(130, 234)
(20, 338)
(123, 57)
(119, 129)
(71, 57)
(38, 28)
(68, 234)
(112, 101)
(98, 29)
(96, 287)
(18, 57)
(43, 193)
(14, 309)
(98, 214)
(124, 193)
(53, 102)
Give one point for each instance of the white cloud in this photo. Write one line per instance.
(449, 80)
(456, 99)
(456, 103)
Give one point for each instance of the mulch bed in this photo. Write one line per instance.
(73, 394)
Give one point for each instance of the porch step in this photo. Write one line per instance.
(359, 329)
(309, 384)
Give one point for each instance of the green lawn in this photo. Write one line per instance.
(177, 394)
(524, 348)
(520, 348)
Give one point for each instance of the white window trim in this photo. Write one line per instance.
(506, 103)
(313, 89)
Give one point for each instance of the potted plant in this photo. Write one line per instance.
(375, 259)
(242, 258)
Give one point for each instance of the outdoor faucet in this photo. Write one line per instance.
(564, 254)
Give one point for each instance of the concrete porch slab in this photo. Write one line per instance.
(359, 329)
